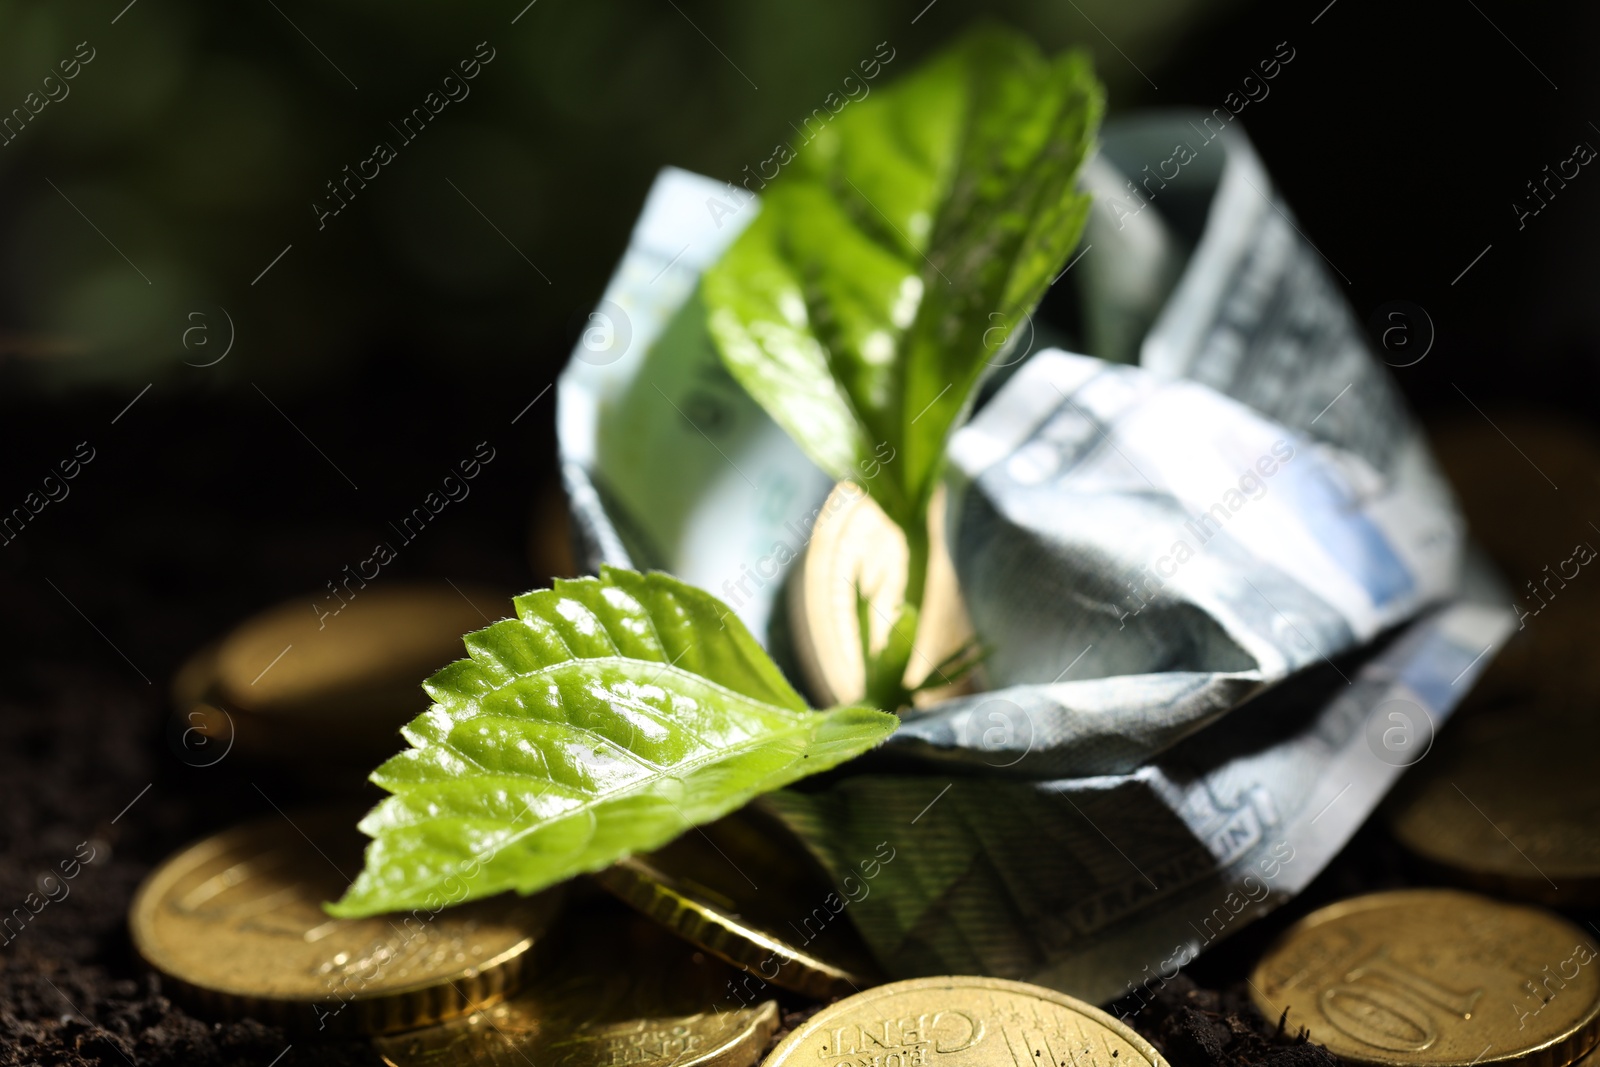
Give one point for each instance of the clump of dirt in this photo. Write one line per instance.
(1197, 1027)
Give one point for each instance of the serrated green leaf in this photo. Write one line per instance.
(610, 716)
(898, 252)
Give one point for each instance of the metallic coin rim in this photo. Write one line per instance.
(808, 612)
(1407, 818)
(1403, 823)
(792, 1043)
(756, 1033)
(1577, 888)
(151, 891)
(1558, 1051)
(207, 662)
(803, 614)
(654, 892)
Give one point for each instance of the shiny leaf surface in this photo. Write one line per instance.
(898, 252)
(610, 716)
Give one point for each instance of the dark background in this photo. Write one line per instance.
(438, 307)
(412, 326)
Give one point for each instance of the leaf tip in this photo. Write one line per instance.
(345, 908)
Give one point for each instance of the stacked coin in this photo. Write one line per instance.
(1436, 978)
(235, 924)
(624, 992)
(1509, 802)
(1506, 474)
(341, 669)
(743, 889)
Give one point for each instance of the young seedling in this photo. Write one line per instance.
(861, 306)
(860, 309)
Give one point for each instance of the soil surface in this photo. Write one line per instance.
(182, 526)
(193, 515)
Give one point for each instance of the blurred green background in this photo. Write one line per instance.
(160, 213)
(198, 137)
(189, 152)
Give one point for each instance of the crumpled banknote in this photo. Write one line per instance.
(1098, 885)
(668, 462)
(1142, 554)
(1176, 738)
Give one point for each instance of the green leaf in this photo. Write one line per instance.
(610, 716)
(898, 251)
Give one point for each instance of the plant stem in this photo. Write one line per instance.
(886, 686)
(917, 547)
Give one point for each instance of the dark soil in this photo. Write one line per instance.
(1195, 1027)
(195, 514)
(77, 746)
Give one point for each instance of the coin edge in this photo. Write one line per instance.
(795, 1038)
(1585, 1034)
(488, 982)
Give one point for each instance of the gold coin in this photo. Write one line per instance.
(742, 889)
(1550, 658)
(235, 922)
(349, 667)
(1539, 538)
(963, 1022)
(1522, 522)
(855, 545)
(1509, 802)
(1435, 978)
(627, 994)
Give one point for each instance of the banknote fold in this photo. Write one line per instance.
(1216, 572)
